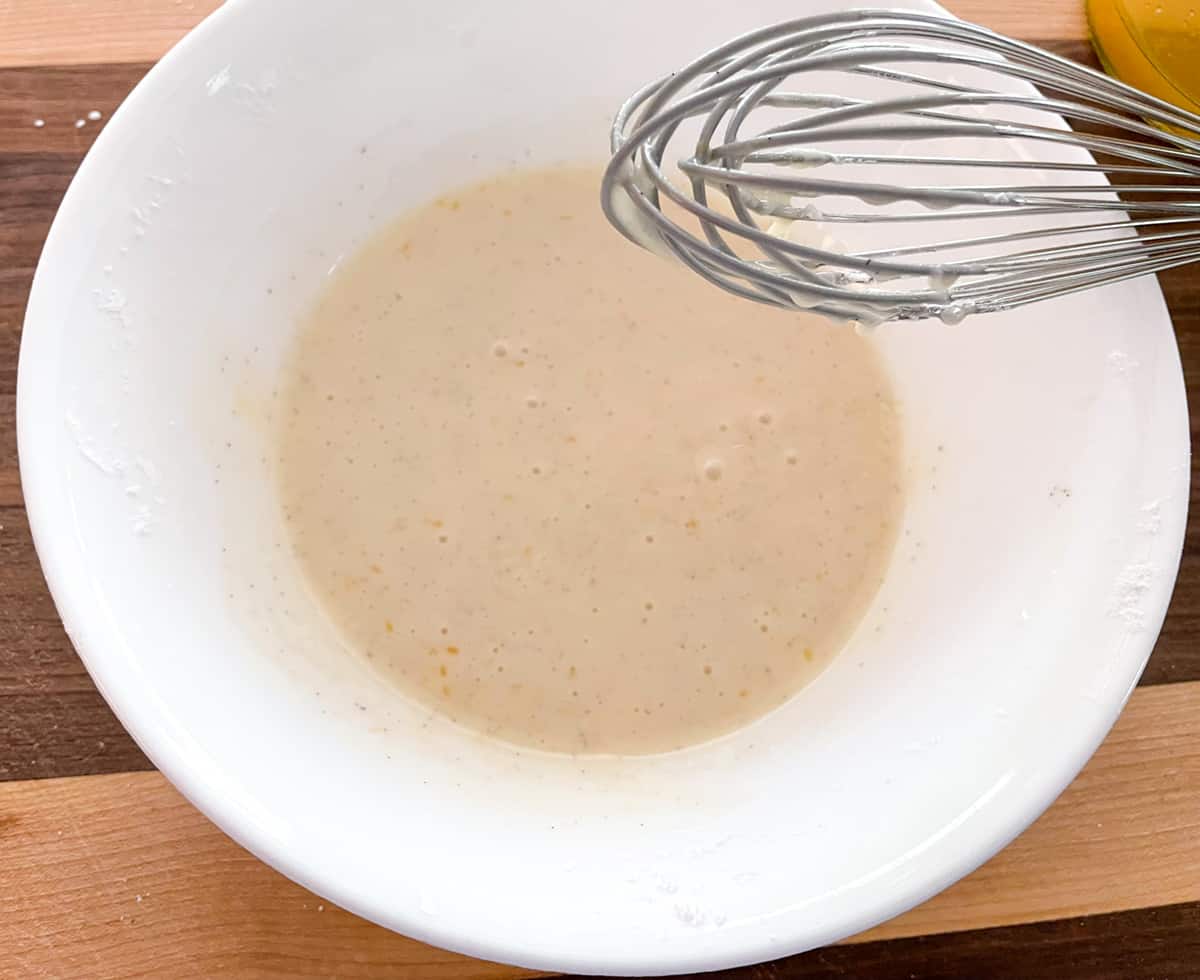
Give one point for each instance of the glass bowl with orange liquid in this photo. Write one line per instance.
(1153, 45)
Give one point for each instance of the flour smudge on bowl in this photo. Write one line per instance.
(570, 495)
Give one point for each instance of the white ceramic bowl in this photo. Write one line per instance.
(1048, 461)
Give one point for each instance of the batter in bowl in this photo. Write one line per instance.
(570, 495)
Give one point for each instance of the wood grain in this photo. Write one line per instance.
(60, 97)
(118, 874)
(52, 718)
(1146, 944)
(74, 32)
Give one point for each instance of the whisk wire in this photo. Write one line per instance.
(808, 127)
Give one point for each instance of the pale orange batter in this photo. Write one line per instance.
(568, 493)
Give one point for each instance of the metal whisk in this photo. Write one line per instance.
(880, 165)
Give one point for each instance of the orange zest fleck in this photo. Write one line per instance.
(387, 625)
(452, 650)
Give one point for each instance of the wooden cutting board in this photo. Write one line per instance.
(105, 871)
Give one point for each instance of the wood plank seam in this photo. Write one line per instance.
(70, 32)
(87, 859)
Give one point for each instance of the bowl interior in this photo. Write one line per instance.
(1047, 457)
